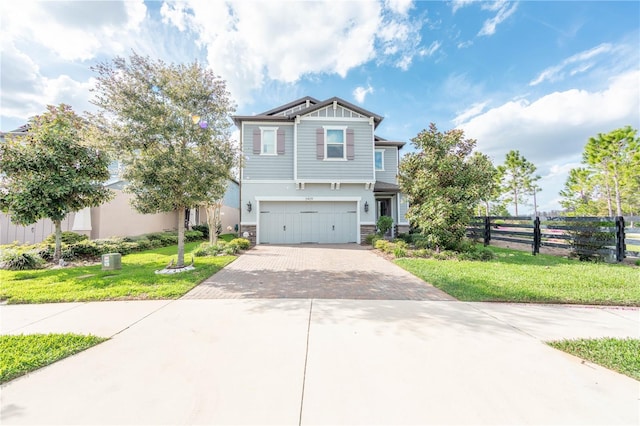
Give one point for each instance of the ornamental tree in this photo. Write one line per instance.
(444, 180)
(52, 170)
(518, 179)
(170, 126)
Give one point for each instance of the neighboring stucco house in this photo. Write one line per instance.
(315, 172)
(117, 218)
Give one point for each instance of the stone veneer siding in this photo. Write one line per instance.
(251, 229)
(366, 230)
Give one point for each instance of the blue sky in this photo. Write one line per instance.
(539, 77)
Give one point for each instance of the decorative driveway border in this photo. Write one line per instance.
(341, 271)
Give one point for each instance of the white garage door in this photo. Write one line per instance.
(323, 222)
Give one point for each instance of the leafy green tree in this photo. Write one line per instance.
(52, 171)
(616, 157)
(170, 125)
(579, 193)
(517, 178)
(444, 181)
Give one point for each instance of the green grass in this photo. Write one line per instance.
(516, 276)
(227, 237)
(135, 281)
(621, 355)
(24, 353)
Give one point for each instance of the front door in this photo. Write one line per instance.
(384, 209)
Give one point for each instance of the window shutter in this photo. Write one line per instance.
(256, 141)
(280, 147)
(350, 145)
(320, 143)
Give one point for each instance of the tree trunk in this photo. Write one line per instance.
(609, 206)
(535, 203)
(213, 219)
(616, 187)
(57, 254)
(515, 199)
(181, 216)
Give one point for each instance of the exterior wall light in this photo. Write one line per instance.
(249, 206)
(366, 207)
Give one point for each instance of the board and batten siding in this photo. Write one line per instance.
(267, 167)
(312, 168)
(390, 165)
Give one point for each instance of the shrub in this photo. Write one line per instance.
(426, 253)
(382, 245)
(637, 262)
(17, 261)
(590, 240)
(445, 255)
(204, 228)
(399, 251)
(68, 237)
(420, 242)
(483, 255)
(241, 243)
(193, 235)
(384, 224)
(85, 248)
(371, 239)
(407, 238)
(401, 244)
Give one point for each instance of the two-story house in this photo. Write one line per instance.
(315, 172)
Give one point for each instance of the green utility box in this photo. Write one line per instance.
(111, 261)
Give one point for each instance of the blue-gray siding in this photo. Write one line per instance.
(390, 165)
(267, 167)
(360, 168)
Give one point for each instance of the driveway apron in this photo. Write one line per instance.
(341, 271)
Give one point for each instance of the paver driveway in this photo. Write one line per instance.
(341, 271)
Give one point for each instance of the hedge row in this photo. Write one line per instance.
(77, 246)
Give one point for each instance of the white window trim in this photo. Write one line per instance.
(380, 150)
(344, 143)
(275, 140)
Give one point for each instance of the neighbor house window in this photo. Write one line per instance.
(268, 140)
(335, 143)
(379, 159)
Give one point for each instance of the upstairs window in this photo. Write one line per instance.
(335, 143)
(379, 160)
(268, 139)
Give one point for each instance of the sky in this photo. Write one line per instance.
(534, 76)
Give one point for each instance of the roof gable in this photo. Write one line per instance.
(337, 107)
(289, 109)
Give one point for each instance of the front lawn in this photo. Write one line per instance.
(22, 354)
(516, 276)
(135, 281)
(621, 355)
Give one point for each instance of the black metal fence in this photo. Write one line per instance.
(604, 237)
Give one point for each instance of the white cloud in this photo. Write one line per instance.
(251, 43)
(360, 93)
(26, 91)
(551, 131)
(582, 62)
(458, 4)
(504, 9)
(73, 30)
(401, 7)
(469, 113)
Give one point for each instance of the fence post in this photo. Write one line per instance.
(487, 230)
(620, 245)
(537, 236)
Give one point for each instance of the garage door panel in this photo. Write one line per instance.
(323, 222)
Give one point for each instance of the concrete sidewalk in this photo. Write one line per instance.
(309, 361)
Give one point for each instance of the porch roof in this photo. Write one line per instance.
(385, 187)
